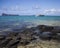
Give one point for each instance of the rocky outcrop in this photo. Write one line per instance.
(28, 35)
(45, 28)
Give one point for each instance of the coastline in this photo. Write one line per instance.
(41, 35)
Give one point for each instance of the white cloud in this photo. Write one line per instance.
(35, 10)
(51, 11)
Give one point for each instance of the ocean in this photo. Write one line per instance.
(7, 23)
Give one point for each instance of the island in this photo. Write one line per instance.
(4, 14)
(39, 15)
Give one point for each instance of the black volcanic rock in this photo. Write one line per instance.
(2, 37)
(45, 28)
(4, 42)
(46, 35)
(30, 34)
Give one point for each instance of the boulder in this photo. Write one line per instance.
(46, 35)
(2, 37)
(45, 28)
(58, 36)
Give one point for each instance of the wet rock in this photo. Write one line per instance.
(15, 43)
(24, 43)
(56, 27)
(55, 31)
(58, 36)
(13, 34)
(18, 38)
(33, 39)
(26, 36)
(46, 35)
(13, 46)
(4, 42)
(33, 28)
(2, 37)
(36, 32)
(30, 34)
(45, 28)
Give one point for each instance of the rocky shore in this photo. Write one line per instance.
(41, 36)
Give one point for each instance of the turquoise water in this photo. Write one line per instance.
(25, 18)
(9, 22)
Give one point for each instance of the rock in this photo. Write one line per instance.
(55, 31)
(24, 43)
(15, 43)
(58, 36)
(33, 28)
(45, 28)
(30, 34)
(13, 34)
(18, 38)
(46, 35)
(2, 37)
(5, 42)
(33, 39)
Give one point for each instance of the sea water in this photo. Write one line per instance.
(8, 23)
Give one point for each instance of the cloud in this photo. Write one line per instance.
(33, 10)
(51, 11)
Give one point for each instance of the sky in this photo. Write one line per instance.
(30, 7)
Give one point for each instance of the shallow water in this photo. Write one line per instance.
(11, 22)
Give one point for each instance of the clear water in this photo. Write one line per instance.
(11, 22)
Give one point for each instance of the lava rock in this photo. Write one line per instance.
(45, 28)
(46, 35)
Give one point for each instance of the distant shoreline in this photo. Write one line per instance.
(3, 14)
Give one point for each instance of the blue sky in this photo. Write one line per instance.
(29, 7)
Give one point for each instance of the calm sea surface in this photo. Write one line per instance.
(11, 22)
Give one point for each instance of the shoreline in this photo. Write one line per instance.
(23, 38)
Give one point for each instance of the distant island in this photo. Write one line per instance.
(4, 14)
(39, 15)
